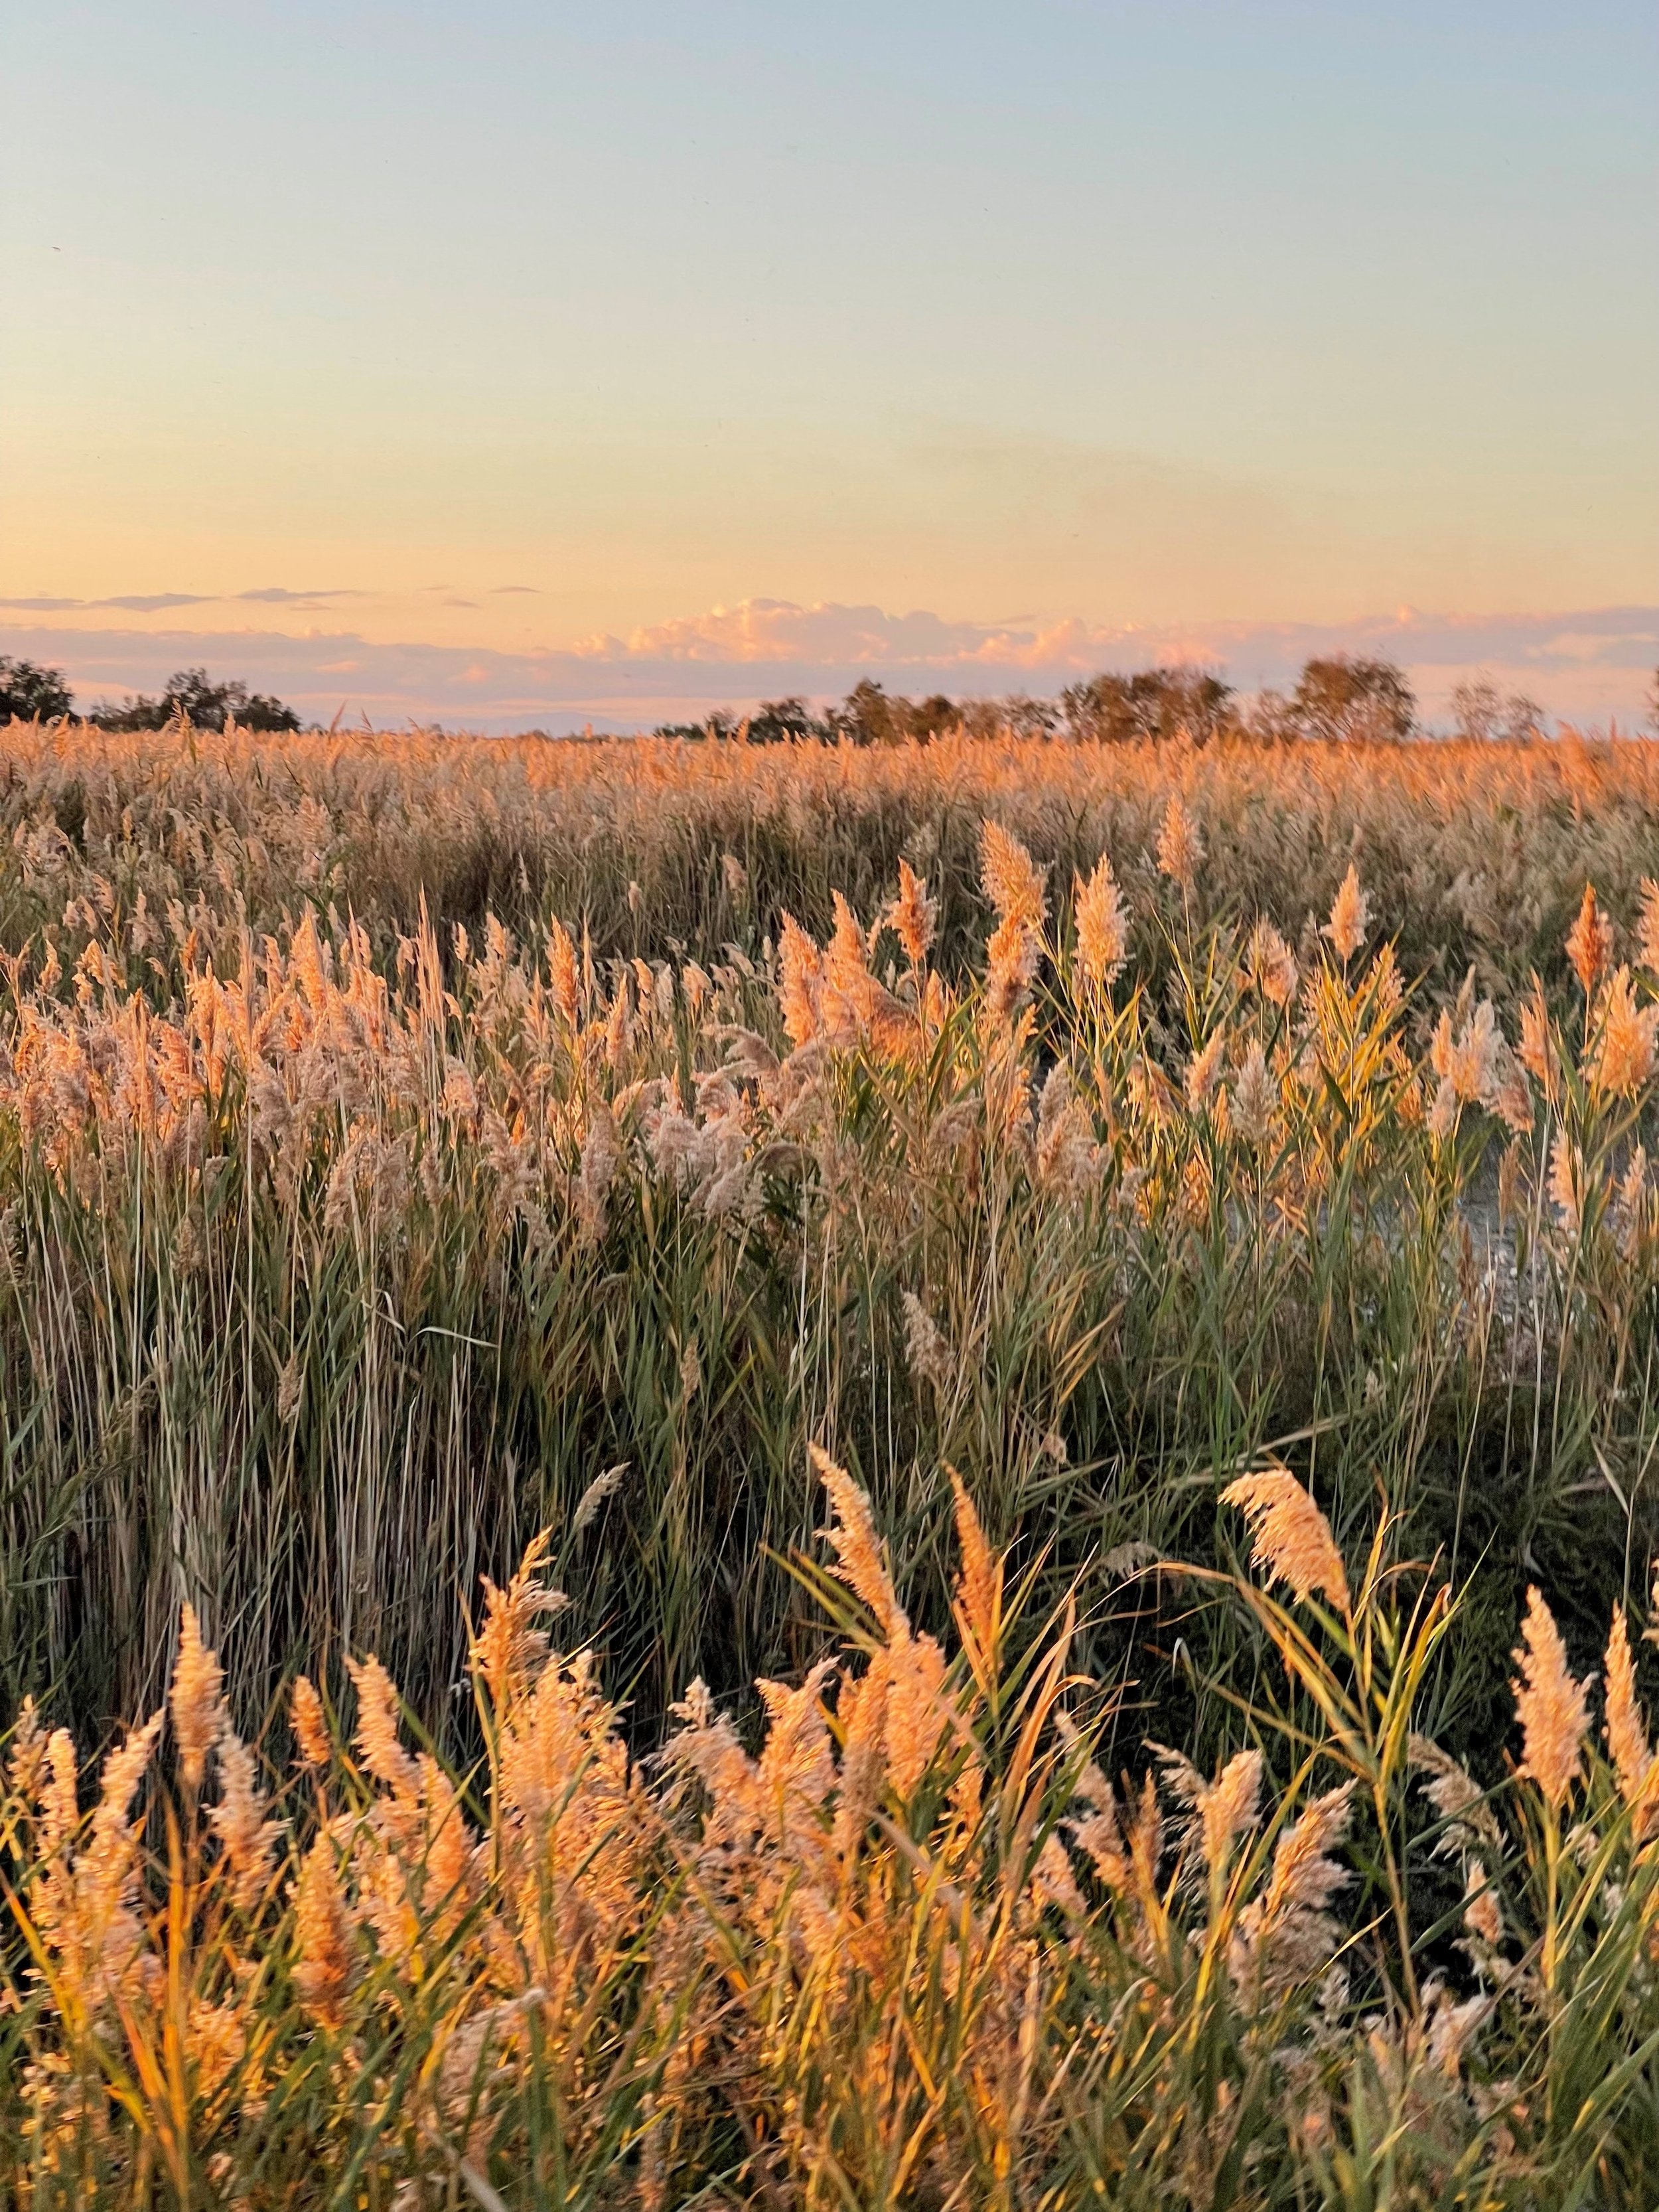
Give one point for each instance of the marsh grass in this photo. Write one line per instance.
(356, 1243)
(1478, 854)
(917, 1946)
(328, 1279)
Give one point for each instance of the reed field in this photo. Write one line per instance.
(1473, 854)
(809, 1476)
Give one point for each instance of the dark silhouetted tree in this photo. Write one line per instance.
(1020, 716)
(867, 716)
(31, 693)
(1480, 711)
(1349, 700)
(1157, 702)
(206, 705)
(930, 718)
(775, 721)
(719, 722)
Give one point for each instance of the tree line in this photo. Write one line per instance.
(35, 694)
(1337, 698)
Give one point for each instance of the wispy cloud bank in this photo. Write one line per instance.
(151, 603)
(760, 631)
(1585, 665)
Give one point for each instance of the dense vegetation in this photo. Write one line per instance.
(416, 1156)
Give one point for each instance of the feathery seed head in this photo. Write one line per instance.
(246, 1837)
(1626, 1725)
(1305, 1875)
(602, 1486)
(1102, 934)
(1272, 965)
(601, 1156)
(1483, 1913)
(198, 1681)
(913, 916)
(1566, 1179)
(1590, 941)
(1550, 1705)
(1537, 1053)
(1256, 1098)
(1293, 1539)
(1011, 958)
(1223, 1810)
(1456, 1796)
(380, 1714)
(1351, 913)
(801, 969)
(26, 1766)
(1648, 927)
(510, 1650)
(1013, 882)
(1622, 1057)
(323, 1937)
(926, 1349)
(564, 974)
(978, 1587)
(1632, 1207)
(1180, 846)
(852, 1535)
(309, 1724)
(1229, 1805)
(1203, 1069)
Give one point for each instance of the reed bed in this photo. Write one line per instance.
(1053, 1218)
(1478, 853)
(920, 1947)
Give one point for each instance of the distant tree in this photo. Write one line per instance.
(1348, 699)
(1027, 717)
(1018, 715)
(927, 719)
(1483, 713)
(31, 693)
(866, 716)
(775, 721)
(206, 705)
(1155, 703)
(719, 722)
(1270, 720)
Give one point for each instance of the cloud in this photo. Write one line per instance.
(152, 603)
(276, 595)
(42, 606)
(779, 630)
(1583, 665)
(759, 632)
(136, 603)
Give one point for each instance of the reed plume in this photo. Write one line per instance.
(1550, 1705)
(1292, 1538)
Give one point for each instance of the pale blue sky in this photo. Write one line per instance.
(1155, 313)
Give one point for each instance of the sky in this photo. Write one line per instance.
(520, 363)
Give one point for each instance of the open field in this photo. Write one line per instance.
(409, 1146)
